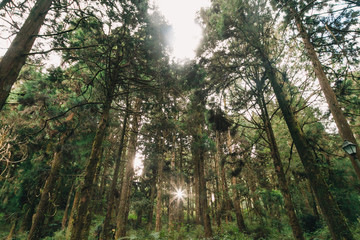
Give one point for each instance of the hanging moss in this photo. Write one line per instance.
(218, 120)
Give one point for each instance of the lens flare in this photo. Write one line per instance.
(179, 194)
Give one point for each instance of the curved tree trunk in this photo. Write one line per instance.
(15, 57)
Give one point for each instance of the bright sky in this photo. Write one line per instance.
(181, 15)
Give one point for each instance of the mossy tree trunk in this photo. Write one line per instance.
(90, 171)
(106, 230)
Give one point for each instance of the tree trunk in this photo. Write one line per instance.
(39, 217)
(159, 193)
(124, 203)
(218, 195)
(198, 159)
(335, 220)
(106, 231)
(236, 196)
(172, 199)
(279, 170)
(72, 214)
(151, 205)
(16, 55)
(11, 234)
(90, 171)
(66, 211)
(335, 109)
(236, 199)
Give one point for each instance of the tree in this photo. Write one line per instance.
(254, 30)
(15, 57)
(331, 99)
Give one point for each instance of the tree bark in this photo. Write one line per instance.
(198, 159)
(39, 217)
(106, 231)
(335, 109)
(124, 203)
(15, 57)
(279, 170)
(90, 171)
(237, 206)
(159, 193)
(336, 222)
(72, 214)
(66, 211)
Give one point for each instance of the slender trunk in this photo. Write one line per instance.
(66, 211)
(39, 217)
(90, 171)
(237, 206)
(335, 220)
(11, 234)
(284, 188)
(93, 206)
(172, 199)
(196, 193)
(199, 174)
(236, 196)
(27, 219)
(218, 195)
(151, 205)
(15, 57)
(106, 231)
(335, 109)
(72, 214)
(104, 177)
(203, 195)
(159, 193)
(124, 203)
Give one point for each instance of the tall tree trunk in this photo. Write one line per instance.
(159, 193)
(90, 171)
(335, 220)
(218, 195)
(66, 211)
(124, 203)
(203, 195)
(172, 199)
(198, 159)
(106, 231)
(11, 234)
(16, 55)
(335, 109)
(72, 214)
(39, 217)
(279, 170)
(27, 219)
(236, 196)
(151, 205)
